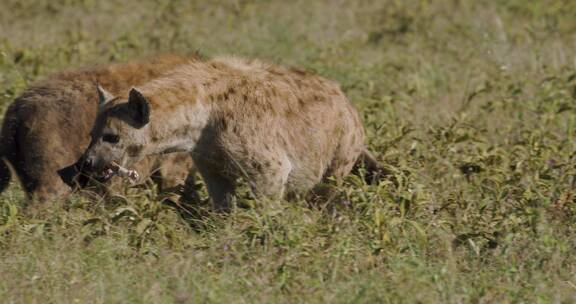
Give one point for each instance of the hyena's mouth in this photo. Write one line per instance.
(115, 169)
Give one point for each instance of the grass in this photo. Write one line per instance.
(471, 104)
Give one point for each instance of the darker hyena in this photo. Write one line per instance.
(47, 128)
(282, 130)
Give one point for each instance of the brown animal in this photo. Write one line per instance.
(47, 128)
(282, 130)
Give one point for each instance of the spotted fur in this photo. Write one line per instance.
(282, 130)
(47, 128)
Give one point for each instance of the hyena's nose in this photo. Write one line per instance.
(88, 163)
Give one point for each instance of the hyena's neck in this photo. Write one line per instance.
(177, 121)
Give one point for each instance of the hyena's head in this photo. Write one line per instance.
(120, 133)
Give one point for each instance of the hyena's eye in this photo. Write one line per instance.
(111, 138)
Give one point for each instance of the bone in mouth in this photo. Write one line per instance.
(116, 169)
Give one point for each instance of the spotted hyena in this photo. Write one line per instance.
(47, 128)
(280, 129)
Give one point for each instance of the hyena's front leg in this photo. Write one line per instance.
(270, 176)
(190, 194)
(220, 188)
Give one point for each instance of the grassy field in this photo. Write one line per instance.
(471, 105)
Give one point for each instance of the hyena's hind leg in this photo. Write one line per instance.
(345, 157)
(44, 191)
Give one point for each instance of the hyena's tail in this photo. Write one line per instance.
(7, 149)
(374, 171)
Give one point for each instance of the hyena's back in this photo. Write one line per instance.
(47, 128)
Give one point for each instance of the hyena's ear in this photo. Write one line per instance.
(103, 96)
(139, 108)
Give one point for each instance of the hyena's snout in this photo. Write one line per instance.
(91, 163)
(96, 159)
